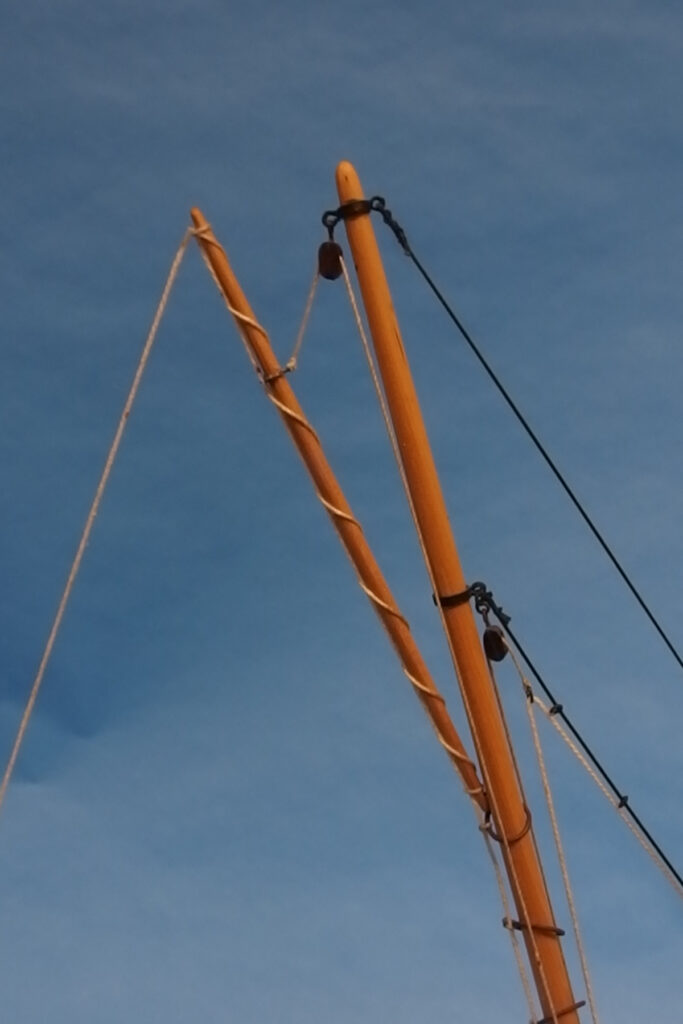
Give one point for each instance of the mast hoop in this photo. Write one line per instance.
(352, 208)
(508, 841)
(563, 1013)
(510, 923)
(453, 600)
(363, 207)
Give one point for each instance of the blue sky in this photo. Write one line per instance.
(229, 804)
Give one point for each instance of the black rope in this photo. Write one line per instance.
(377, 204)
(482, 596)
(484, 603)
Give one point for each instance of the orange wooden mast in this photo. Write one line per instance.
(332, 497)
(510, 814)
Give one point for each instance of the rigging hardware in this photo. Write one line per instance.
(329, 256)
(485, 605)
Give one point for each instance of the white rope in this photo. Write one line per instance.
(92, 514)
(563, 865)
(291, 363)
(206, 235)
(628, 821)
(292, 414)
(397, 455)
(530, 701)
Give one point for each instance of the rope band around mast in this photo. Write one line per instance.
(542, 929)
(508, 841)
(361, 207)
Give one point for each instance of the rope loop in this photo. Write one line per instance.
(280, 372)
(484, 603)
(453, 600)
(508, 841)
(354, 208)
(511, 923)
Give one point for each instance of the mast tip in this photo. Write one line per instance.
(348, 180)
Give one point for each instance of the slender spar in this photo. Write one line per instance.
(511, 816)
(332, 497)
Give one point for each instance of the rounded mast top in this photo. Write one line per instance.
(347, 179)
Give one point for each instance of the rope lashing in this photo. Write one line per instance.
(206, 235)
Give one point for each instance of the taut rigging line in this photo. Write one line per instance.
(485, 603)
(378, 205)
